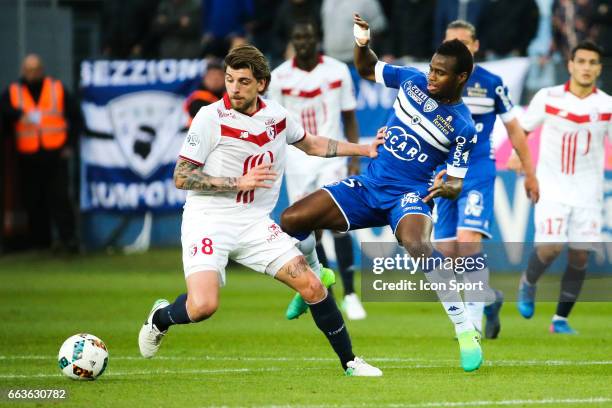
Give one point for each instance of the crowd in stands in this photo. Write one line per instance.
(409, 29)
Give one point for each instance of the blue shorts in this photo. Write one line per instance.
(473, 210)
(366, 207)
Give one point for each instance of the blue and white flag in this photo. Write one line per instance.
(135, 127)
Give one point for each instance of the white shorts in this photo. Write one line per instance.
(301, 183)
(560, 223)
(210, 240)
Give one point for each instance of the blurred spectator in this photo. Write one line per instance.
(211, 88)
(177, 28)
(541, 70)
(126, 32)
(602, 20)
(409, 35)
(337, 18)
(46, 121)
(448, 11)
(571, 22)
(224, 25)
(260, 28)
(507, 27)
(290, 12)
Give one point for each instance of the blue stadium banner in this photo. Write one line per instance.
(135, 126)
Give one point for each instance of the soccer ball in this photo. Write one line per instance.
(83, 357)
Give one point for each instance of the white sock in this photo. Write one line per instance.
(308, 248)
(476, 300)
(475, 311)
(451, 300)
(557, 318)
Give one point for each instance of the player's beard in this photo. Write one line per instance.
(244, 106)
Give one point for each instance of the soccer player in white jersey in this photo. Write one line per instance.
(318, 91)
(232, 162)
(576, 117)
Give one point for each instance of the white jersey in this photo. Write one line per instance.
(571, 163)
(227, 143)
(316, 99)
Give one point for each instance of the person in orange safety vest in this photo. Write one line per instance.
(45, 121)
(210, 90)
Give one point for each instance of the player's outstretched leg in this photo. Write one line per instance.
(571, 285)
(527, 285)
(199, 303)
(413, 232)
(315, 211)
(297, 275)
(297, 306)
(468, 337)
(491, 312)
(150, 336)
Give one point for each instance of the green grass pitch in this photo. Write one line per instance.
(249, 355)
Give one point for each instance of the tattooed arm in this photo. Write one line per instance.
(324, 147)
(188, 176)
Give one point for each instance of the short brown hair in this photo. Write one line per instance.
(248, 56)
(588, 46)
(462, 24)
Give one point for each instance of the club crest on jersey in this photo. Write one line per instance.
(271, 132)
(474, 203)
(430, 105)
(144, 124)
(403, 146)
(271, 129)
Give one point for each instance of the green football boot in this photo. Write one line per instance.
(297, 306)
(469, 348)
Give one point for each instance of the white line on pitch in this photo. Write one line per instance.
(380, 359)
(452, 404)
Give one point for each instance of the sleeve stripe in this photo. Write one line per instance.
(458, 172)
(197, 163)
(507, 116)
(378, 72)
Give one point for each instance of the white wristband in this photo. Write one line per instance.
(362, 37)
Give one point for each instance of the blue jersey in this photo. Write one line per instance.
(486, 96)
(421, 135)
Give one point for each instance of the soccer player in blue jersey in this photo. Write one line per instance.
(463, 223)
(429, 125)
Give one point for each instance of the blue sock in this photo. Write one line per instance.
(344, 254)
(329, 320)
(174, 313)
